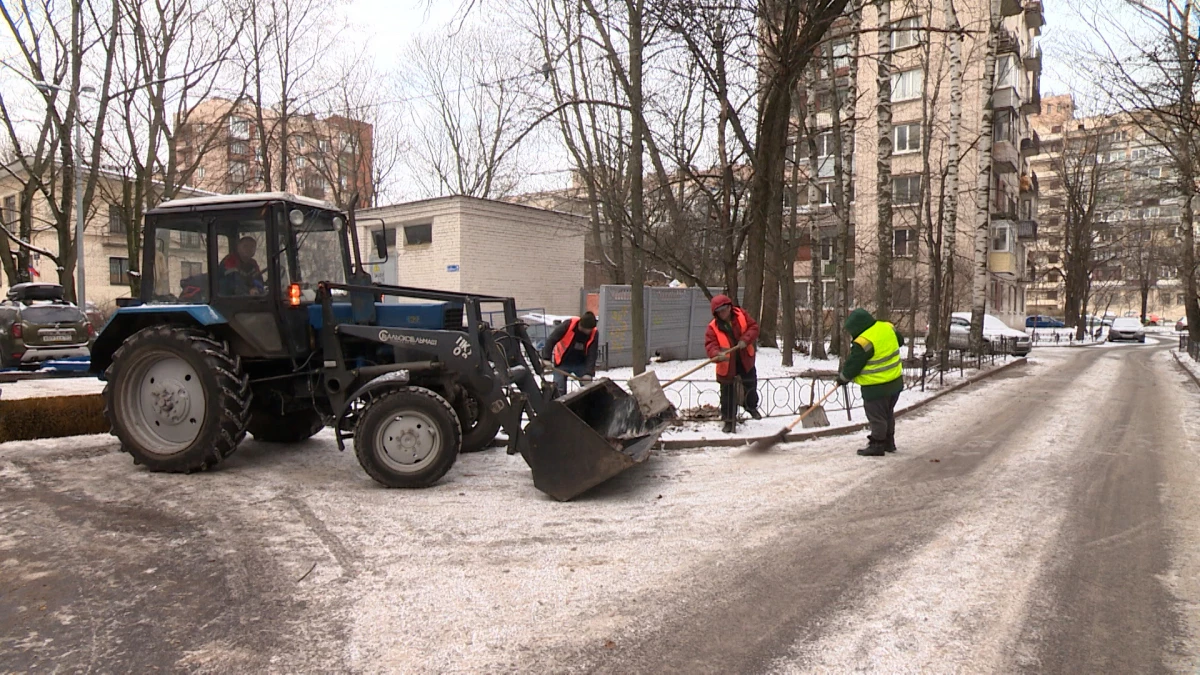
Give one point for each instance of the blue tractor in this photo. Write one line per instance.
(256, 316)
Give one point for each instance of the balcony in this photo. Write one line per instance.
(1033, 14)
(1005, 158)
(1033, 106)
(1010, 7)
(1009, 42)
(1006, 97)
(1030, 147)
(1033, 59)
(1004, 263)
(1027, 230)
(828, 269)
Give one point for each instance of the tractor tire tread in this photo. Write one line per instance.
(232, 395)
(439, 469)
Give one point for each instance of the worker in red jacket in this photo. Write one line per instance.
(732, 328)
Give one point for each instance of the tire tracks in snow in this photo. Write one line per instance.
(826, 565)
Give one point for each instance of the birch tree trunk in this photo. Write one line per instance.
(952, 188)
(843, 156)
(883, 113)
(816, 289)
(637, 191)
(979, 286)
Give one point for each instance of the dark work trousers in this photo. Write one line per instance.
(881, 415)
(729, 391)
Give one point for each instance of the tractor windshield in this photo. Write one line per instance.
(180, 260)
(318, 250)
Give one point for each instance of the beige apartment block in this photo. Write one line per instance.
(466, 244)
(920, 79)
(1138, 216)
(330, 158)
(106, 233)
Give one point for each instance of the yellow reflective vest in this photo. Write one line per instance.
(884, 364)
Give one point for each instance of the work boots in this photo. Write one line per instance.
(728, 428)
(754, 413)
(873, 450)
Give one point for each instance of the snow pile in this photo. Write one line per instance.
(54, 386)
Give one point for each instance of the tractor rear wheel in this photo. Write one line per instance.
(479, 426)
(177, 399)
(271, 427)
(407, 438)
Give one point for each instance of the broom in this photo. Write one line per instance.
(818, 420)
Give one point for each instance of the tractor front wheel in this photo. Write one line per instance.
(407, 438)
(177, 399)
(479, 425)
(271, 427)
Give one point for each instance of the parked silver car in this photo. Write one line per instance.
(1127, 328)
(998, 337)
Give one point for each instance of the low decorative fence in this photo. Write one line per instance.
(789, 396)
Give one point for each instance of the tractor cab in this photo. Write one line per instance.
(252, 259)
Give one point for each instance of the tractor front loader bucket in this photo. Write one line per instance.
(587, 437)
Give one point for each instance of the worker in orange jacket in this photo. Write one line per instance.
(732, 328)
(573, 348)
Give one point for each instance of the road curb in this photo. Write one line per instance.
(1179, 362)
(795, 437)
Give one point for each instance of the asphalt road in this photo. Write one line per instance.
(1047, 520)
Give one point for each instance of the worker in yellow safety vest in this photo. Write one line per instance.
(874, 365)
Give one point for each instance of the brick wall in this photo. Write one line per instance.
(533, 255)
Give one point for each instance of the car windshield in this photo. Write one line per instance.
(1127, 324)
(318, 248)
(52, 314)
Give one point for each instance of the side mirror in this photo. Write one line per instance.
(383, 239)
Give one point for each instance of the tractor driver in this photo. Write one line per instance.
(241, 273)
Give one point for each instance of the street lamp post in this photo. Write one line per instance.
(80, 273)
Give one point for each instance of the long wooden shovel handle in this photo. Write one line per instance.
(573, 376)
(727, 352)
(811, 408)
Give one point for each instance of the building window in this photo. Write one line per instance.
(1052, 296)
(842, 52)
(825, 193)
(803, 295)
(907, 138)
(10, 212)
(902, 297)
(1004, 127)
(189, 239)
(239, 128)
(903, 243)
(905, 33)
(237, 172)
(1001, 239)
(1006, 71)
(239, 148)
(118, 271)
(907, 86)
(825, 144)
(826, 249)
(190, 269)
(116, 220)
(418, 234)
(906, 190)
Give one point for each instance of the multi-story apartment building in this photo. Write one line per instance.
(326, 158)
(921, 119)
(1134, 230)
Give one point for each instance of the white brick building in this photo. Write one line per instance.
(466, 244)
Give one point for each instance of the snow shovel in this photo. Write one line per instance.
(818, 419)
(649, 394)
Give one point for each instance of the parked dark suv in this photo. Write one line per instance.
(36, 324)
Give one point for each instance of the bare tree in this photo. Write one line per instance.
(63, 50)
(478, 109)
(1152, 65)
